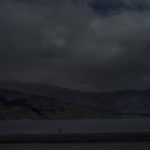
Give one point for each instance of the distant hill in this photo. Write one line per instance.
(61, 93)
(17, 105)
(41, 101)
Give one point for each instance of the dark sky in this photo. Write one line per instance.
(70, 44)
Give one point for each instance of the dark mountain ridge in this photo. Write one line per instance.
(47, 101)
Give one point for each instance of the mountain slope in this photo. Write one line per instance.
(58, 103)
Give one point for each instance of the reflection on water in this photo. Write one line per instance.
(79, 146)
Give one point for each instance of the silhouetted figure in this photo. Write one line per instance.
(60, 131)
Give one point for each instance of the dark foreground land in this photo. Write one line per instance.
(77, 146)
(96, 137)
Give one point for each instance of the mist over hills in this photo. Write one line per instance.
(67, 42)
(78, 44)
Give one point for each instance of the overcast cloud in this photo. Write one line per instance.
(72, 46)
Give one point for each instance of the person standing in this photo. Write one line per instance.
(60, 131)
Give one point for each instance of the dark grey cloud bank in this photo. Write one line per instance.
(70, 45)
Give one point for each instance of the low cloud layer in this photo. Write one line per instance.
(71, 46)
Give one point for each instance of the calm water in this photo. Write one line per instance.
(80, 146)
(80, 126)
(75, 126)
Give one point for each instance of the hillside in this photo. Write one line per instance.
(62, 103)
(16, 105)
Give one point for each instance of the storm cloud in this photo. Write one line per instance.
(72, 46)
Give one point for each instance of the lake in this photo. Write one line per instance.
(75, 126)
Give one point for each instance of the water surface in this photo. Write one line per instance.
(75, 126)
